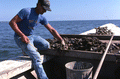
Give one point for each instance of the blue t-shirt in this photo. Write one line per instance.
(30, 19)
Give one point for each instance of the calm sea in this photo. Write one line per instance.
(9, 49)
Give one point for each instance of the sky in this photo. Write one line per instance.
(66, 9)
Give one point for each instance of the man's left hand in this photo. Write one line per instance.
(63, 42)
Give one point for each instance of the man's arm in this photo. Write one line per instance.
(54, 33)
(14, 26)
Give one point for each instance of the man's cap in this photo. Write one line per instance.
(45, 4)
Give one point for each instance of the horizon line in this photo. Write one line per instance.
(71, 20)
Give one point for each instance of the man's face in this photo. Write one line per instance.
(43, 10)
(40, 9)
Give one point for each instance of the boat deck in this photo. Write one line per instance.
(13, 67)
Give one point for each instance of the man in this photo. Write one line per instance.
(23, 24)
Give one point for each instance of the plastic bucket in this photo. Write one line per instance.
(78, 70)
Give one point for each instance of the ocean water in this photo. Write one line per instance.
(9, 49)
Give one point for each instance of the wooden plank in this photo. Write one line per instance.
(102, 59)
(30, 74)
(101, 37)
(114, 41)
(80, 54)
(10, 68)
(18, 65)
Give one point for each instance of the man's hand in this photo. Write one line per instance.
(63, 47)
(63, 42)
(14, 26)
(25, 39)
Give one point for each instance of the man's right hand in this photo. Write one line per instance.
(25, 39)
(14, 26)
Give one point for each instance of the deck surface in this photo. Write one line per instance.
(12, 67)
(115, 29)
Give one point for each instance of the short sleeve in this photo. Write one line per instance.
(23, 13)
(44, 21)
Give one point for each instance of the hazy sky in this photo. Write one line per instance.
(66, 9)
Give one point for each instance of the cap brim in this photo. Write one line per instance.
(47, 8)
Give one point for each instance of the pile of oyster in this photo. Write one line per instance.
(103, 31)
(84, 43)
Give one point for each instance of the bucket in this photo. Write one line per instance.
(78, 70)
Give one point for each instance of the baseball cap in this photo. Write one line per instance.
(45, 4)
